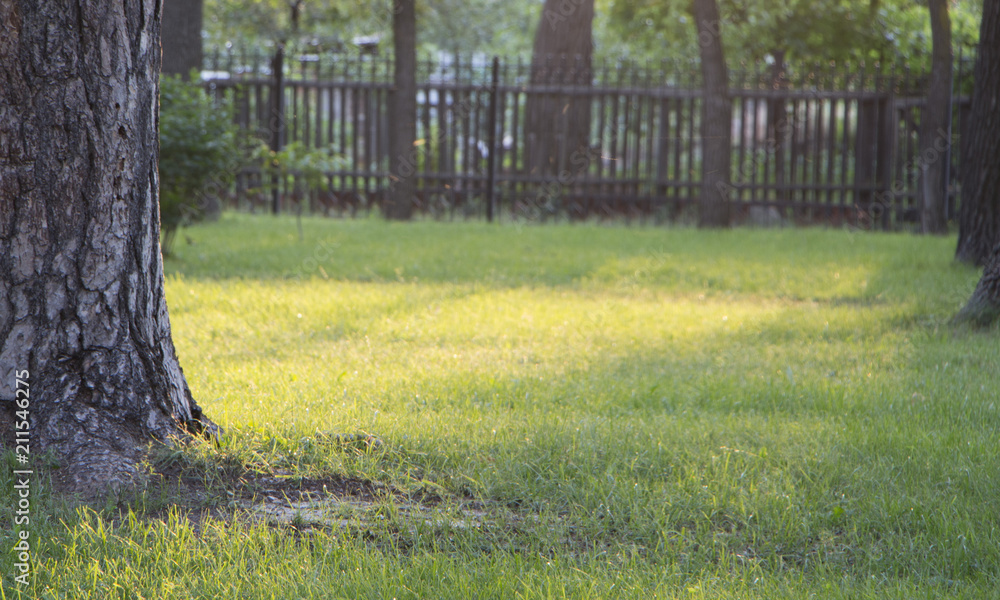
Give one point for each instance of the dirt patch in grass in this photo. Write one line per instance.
(232, 491)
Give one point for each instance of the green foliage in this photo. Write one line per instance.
(304, 167)
(805, 30)
(327, 25)
(199, 153)
(501, 27)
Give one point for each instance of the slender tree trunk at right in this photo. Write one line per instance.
(716, 118)
(934, 137)
(979, 211)
(403, 116)
(979, 219)
(181, 34)
(777, 124)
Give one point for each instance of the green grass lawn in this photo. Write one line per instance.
(580, 411)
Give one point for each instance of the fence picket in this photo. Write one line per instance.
(839, 150)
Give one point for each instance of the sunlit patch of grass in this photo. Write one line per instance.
(738, 414)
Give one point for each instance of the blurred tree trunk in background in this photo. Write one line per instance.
(403, 115)
(716, 118)
(979, 217)
(181, 35)
(557, 126)
(778, 130)
(979, 211)
(83, 318)
(934, 122)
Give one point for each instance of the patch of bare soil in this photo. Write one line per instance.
(281, 500)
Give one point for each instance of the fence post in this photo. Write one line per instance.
(491, 136)
(277, 124)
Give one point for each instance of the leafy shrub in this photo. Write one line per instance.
(199, 153)
(305, 167)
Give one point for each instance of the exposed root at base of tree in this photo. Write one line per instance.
(98, 467)
(983, 308)
(978, 317)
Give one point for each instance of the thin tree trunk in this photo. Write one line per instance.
(557, 125)
(181, 34)
(777, 126)
(934, 138)
(716, 118)
(403, 135)
(979, 211)
(82, 307)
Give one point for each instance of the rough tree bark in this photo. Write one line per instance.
(979, 211)
(82, 306)
(181, 34)
(983, 307)
(979, 222)
(934, 124)
(556, 125)
(716, 117)
(402, 186)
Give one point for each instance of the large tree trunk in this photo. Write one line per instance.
(403, 135)
(934, 120)
(81, 277)
(979, 211)
(983, 307)
(558, 125)
(716, 118)
(181, 34)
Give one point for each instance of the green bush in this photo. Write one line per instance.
(199, 153)
(306, 167)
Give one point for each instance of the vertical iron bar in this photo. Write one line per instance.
(491, 136)
(277, 119)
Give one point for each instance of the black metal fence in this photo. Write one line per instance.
(832, 144)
